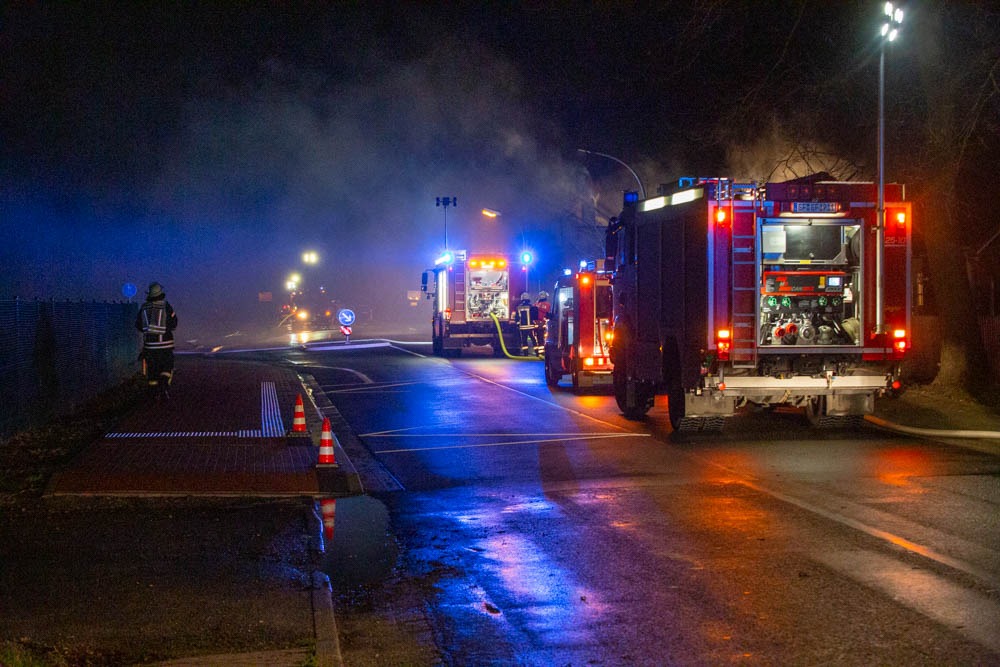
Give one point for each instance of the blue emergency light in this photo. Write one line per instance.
(526, 257)
(631, 197)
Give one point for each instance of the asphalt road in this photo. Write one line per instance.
(513, 524)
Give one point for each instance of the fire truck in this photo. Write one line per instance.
(578, 331)
(466, 289)
(729, 294)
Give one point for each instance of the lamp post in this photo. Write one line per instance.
(891, 20)
(642, 190)
(445, 202)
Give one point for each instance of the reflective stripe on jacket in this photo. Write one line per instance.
(156, 321)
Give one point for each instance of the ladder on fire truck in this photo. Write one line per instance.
(745, 274)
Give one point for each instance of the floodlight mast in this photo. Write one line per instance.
(892, 19)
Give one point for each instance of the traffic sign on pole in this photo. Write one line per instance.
(345, 316)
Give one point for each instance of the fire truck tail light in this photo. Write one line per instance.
(723, 341)
(899, 343)
(584, 280)
(901, 219)
(588, 361)
(720, 216)
(447, 313)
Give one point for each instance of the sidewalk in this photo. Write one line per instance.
(221, 433)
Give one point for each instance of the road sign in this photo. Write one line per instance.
(129, 290)
(346, 330)
(345, 316)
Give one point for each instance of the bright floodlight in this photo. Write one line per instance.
(310, 257)
(490, 213)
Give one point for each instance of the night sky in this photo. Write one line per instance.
(206, 145)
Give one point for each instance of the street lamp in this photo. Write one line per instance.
(891, 20)
(445, 202)
(310, 257)
(642, 190)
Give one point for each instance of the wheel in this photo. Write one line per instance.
(552, 376)
(633, 398)
(675, 390)
(675, 405)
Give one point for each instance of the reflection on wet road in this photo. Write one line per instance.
(538, 527)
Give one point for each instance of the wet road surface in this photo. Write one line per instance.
(520, 525)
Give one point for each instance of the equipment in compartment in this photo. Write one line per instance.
(806, 308)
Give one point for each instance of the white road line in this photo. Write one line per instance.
(270, 412)
(602, 436)
(970, 613)
(367, 388)
(416, 354)
(542, 400)
(878, 533)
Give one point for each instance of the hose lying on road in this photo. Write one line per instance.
(503, 345)
(932, 432)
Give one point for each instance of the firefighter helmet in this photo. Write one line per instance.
(155, 290)
(525, 296)
(543, 295)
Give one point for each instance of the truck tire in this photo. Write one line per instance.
(675, 390)
(552, 376)
(639, 392)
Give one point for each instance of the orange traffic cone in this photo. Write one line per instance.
(328, 507)
(326, 455)
(299, 418)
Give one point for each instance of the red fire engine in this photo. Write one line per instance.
(578, 331)
(466, 289)
(728, 294)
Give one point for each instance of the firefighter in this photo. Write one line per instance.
(526, 315)
(157, 320)
(543, 305)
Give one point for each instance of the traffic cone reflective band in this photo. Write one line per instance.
(326, 455)
(328, 506)
(299, 418)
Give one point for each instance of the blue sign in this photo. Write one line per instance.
(345, 316)
(129, 290)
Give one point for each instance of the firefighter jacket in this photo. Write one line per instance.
(157, 321)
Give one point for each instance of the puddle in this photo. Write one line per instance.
(361, 551)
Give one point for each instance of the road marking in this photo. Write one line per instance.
(542, 400)
(368, 388)
(884, 535)
(600, 436)
(270, 414)
(971, 614)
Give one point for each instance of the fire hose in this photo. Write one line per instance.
(503, 345)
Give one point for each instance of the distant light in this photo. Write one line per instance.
(567, 272)
(295, 278)
(583, 264)
(310, 257)
(526, 257)
(490, 213)
(445, 258)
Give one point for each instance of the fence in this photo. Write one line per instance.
(56, 355)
